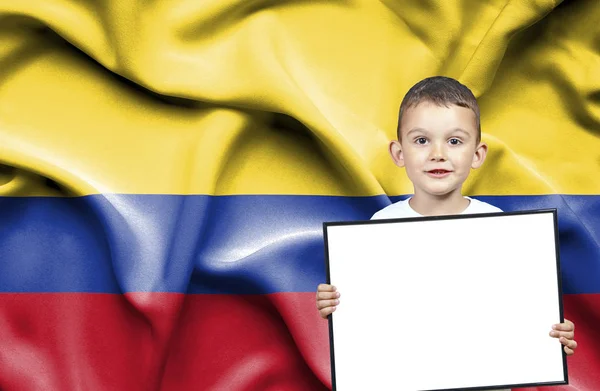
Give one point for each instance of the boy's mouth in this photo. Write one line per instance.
(438, 173)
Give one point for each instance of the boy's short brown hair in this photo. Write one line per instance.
(441, 91)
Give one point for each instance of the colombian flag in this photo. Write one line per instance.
(166, 167)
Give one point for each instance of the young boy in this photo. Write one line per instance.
(439, 142)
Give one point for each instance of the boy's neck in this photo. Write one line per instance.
(433, 205)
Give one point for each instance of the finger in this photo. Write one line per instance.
(326, 288)
(571, 323)
(327, 295)
(570, 347)
(562, 334)
(569, 343)
(326, 311)
(566, 326)
(321, 304)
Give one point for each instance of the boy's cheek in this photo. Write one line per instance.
(412, 157)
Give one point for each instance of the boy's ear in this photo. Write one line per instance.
(395, 149)
(479, 156)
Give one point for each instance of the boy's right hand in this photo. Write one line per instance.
(327, 299)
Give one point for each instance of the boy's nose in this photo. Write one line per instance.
(437, 153)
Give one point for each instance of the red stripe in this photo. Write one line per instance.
(140, 341)
(152, 341)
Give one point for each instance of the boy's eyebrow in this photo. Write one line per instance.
(461, 130)
(414, 130)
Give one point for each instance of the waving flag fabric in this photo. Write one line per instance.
(166, 167)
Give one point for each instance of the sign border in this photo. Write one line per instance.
(454, 217)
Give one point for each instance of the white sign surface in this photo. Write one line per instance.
(446, 303)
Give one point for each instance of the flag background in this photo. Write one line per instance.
(166, 169)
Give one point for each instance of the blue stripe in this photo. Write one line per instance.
(228, 244)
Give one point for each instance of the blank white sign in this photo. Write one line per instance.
(444, 303)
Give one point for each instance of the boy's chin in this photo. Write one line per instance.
(439, 192)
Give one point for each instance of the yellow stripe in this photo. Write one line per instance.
(341, 70)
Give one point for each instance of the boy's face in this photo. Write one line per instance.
(439, 147)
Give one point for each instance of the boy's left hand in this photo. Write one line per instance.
(565, 332)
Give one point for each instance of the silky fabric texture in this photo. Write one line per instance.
(166, 169)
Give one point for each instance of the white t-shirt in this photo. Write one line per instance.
(402, 209)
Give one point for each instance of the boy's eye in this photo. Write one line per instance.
(421, 140)
(455, 141)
